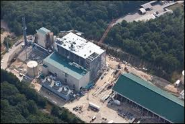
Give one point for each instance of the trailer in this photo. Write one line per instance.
(94, 106)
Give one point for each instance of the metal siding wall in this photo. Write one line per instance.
(95, 66)
(61, 75)
(41, 39)
(84, 80)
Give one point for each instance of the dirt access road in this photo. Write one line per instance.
(4, 34)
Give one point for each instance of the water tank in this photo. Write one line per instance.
(32, 68)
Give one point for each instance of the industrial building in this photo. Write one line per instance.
(44, 38)
(148, 6)
(142, 11)
(82, 52)
(151, 100)
(65, 70)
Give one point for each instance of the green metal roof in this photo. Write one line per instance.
(43, 30)
(151, 97)
(62, 63)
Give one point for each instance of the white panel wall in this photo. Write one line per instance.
(61, 75)
(84, 80)
(44, 70)
(41, 39)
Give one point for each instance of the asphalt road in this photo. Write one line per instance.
(132, 16)
(6, 56)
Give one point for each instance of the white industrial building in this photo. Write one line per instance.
(75, 61)
(44, 37)
(66, 71)
(142, 10)
(82, 52)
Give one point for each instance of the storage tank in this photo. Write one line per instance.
(117, 102)
(32, 68)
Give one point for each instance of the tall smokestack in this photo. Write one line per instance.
(24, 30)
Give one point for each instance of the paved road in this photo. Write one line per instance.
(132, 16)
(6, 56)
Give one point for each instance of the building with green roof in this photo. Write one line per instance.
(65, 70)
(45, 37)
(150, 98)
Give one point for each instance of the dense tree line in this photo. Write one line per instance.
(21, 104)
(159, 41)
(90, 17)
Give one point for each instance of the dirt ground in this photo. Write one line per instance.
(94, 96)
(113, 63)
(161, 83)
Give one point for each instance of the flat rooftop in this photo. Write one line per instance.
(65, 65)
(43, 30)
(78, 45)
(150, 97)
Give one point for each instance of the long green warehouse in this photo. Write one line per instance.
(150, 98)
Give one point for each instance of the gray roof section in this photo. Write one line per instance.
(43, 30)
(62, 63)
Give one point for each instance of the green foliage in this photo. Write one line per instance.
(2, 30)
(21, 104)
(90, 17)
(8, 42)
(63, 114)
(159, 41)
(55, 111)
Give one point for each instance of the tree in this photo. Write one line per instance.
(55, 111)
(32, 107)
(159, 41)
(18, 107)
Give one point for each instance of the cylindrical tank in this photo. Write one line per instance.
(117, 102)
(32, 68)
